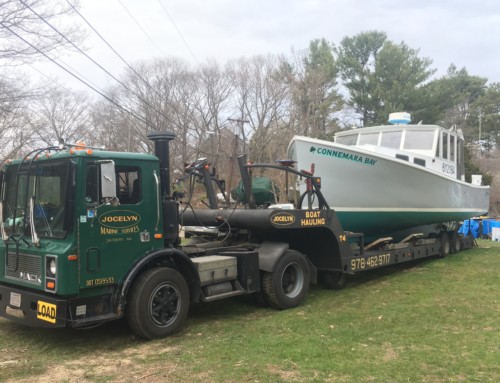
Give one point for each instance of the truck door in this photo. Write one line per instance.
(112, 235)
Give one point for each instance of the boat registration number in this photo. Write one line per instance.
(46, 311)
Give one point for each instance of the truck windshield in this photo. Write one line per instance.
(45, 191)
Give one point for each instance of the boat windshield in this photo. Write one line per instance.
(419, 140)
(412, 139)
(42, 194)
(391, 139)
(350, 139)
(368, 139)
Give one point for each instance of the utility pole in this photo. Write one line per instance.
(241, 121)
(233, 155)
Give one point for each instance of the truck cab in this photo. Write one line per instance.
(73, 224)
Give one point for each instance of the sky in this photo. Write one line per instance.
(462, 32)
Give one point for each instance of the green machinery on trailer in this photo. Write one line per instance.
(90, 236)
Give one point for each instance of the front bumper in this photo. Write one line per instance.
(32, 309)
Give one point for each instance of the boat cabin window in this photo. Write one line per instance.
(452, 148)
(419, 161)
(347, 140)
(445, 146)
(391, 139)
(368, 138)
(460, 159)
(419, 140)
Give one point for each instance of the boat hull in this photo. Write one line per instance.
(379, 195)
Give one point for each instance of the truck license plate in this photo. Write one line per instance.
(46, 311)
(15, 299)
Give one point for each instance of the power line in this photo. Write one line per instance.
(126, 63)
(75, 76)
(104, 69)
(87, 83)
(178, 31)
(91, 59)
(114, 50)
(101, 67)
(140, 26)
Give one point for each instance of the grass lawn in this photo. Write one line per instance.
(435, 320)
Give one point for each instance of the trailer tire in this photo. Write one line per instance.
(334, 280)
(445, 245)
(158, 303)
(287, 286)
(455, 243)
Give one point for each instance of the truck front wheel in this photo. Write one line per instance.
(158, 303)
(288, 284)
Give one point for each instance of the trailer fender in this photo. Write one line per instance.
(171, 257)
(270, 253)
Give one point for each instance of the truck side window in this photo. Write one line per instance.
(92, 185)
(128, 184)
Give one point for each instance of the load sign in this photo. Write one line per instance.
(46, 311)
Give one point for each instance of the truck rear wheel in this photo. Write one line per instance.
(455, 245)
(158, 303)
(445, 245)
(288, 284)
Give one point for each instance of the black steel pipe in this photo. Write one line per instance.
(162, 151)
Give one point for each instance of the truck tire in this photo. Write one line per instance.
(455, 245)
(445, 245)
(288, 284)
(158, 303)
(334, 280)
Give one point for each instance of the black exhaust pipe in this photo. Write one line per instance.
(170, 206)
(162, 151)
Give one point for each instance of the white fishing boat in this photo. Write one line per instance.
(383, 179)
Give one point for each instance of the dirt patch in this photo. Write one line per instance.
(122, 366)
(389, 353)
(285, 375)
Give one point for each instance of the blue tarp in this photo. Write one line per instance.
(488, 224)
(470, 225)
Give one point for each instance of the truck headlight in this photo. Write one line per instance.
(53, 267)
(50, 267)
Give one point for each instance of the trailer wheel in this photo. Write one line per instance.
(334, 280)
(445, 245)
(455, 245)
(158, 303)
(288, 284)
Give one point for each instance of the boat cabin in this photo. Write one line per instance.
(430, 146)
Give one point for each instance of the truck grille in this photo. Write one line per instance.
(26, 267)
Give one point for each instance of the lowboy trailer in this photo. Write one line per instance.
(90, 236)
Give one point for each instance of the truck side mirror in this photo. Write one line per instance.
(108, 180)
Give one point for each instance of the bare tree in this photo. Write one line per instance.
(19, 20)
(15, 93)
(164, 95)
(60, 113)
(213, 105)
(261, 99)
(111, 126)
